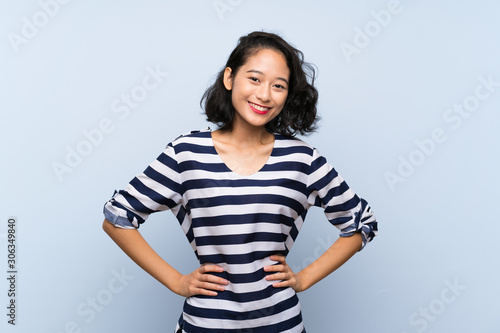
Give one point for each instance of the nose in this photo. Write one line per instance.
(264, 92)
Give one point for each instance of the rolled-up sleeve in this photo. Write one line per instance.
(342, 207)
(156, 189)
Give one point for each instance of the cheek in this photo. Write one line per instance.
(235, 100)
(282, 99)
(275, 115)
(237, 93)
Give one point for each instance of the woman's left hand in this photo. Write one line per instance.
(284, 273)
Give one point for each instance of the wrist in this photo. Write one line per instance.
(304, 281)
(173, 282)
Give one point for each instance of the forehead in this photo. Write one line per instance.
(269, 62)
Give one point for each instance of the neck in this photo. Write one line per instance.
(246, 135)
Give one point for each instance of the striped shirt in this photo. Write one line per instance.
(238, 222)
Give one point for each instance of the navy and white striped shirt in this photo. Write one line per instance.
(238, 222)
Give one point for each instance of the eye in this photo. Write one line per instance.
(279, 86)
(254, 79)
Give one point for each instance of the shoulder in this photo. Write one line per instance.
(194, 134)
(293, 145)
(298, 150)
(194, 137)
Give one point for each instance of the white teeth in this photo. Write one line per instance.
(260, 108)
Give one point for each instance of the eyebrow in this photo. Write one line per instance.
(259, 72)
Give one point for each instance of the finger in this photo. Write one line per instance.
(278, 257)
(211, 286)
(274, 268)
(213, 279)
(201, 291)
(210, 268)
(283, 284)
(278, 276)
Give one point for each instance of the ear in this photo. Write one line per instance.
(228, 78)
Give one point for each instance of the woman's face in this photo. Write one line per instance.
(259, 88)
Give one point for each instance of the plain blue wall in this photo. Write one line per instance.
(409, 99)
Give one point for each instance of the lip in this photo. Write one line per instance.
(258, 111)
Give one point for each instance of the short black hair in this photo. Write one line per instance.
(299, 114)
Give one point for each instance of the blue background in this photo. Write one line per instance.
(390, 73)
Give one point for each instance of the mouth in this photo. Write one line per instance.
(259, 108)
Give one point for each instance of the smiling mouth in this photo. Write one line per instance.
(258, 108)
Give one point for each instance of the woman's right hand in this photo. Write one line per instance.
(201, 282)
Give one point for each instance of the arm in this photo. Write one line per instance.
(345, 210)
(138, 249)
(336, 255)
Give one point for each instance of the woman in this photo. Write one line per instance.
(241, 194)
